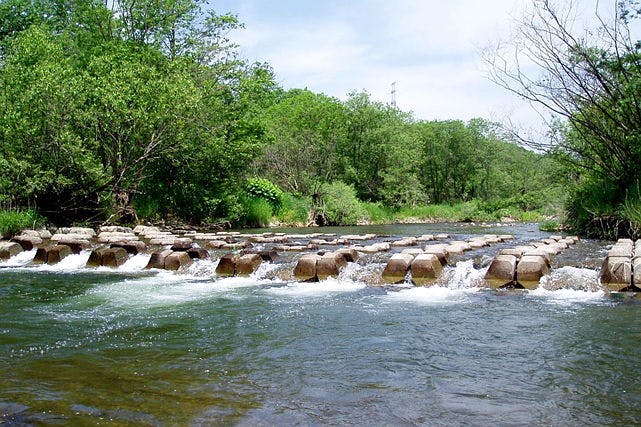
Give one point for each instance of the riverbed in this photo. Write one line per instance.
(136, 347)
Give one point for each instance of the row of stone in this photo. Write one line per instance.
(621, 269)
(320, 266)
(523, 266)
(426, 265)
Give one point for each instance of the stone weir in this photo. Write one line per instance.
(523, 266)
(420, 259)
(621, 270)
(425, 266)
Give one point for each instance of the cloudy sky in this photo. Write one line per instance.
(430, 48)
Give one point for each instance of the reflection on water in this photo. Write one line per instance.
(127, 347)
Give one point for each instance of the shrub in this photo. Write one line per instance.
(294, 210)
(265, 189)
(14, 221)
(549, 225)
(339, 205)
(257, 212)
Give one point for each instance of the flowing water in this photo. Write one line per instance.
(133, 347)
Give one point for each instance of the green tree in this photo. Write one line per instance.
(306, 131)
(590, 82)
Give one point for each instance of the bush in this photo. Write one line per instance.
(14, 221)
(294, 210)
(339, 205)
(265, 189)
(257, 212)
(549, 225)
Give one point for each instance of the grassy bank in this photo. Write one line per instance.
(13, 221)
(298, 212)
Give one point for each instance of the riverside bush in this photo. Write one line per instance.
(14, 221)
(258, 212)
(293, 210)
(339, 205)
(377, 213)
(265, 189)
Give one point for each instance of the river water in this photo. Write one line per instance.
(134, 347)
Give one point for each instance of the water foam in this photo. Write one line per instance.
(568, 297)
(462, 276)
(580, 279)
(69, 264)
(19, 260)
(168, 288)
(431, 295)
(316, 289)
(570, 285)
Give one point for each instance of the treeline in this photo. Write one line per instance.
(127, 110)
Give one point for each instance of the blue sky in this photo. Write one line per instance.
(429, 48)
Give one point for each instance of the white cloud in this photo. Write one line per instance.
(430, 48)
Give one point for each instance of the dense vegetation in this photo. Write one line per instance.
(132, 110)
(591, 82)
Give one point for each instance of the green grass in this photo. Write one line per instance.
(377, 213)
(549, 225)
(293, 210)
(465, 212)
(13, 222)
(258, 212)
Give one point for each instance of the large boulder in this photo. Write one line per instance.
(616, 273)
(41, 255)
(227, 265)
(177, 260)
(57, 253)
(406, 241)
(248, 264)
(530, 269)
(517, 252)
(266, 255)
(157, 259)
(425, 269)
(77, 242)
(540, 253)
(305, 269)
(132, 247)
(27, 242)
(182, 244)
(374, 248)
(330, 264)
(440, 251)
(115, 229)
(95, 258)
(197, 253)
(350, 254)
(114, 257)
(397, 268)
(9, 249)
(502, 270)
(636, 268)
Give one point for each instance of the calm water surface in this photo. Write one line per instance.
(88, 347)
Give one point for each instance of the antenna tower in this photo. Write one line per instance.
(393, 93)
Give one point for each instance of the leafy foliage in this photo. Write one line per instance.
(14, 221)
(339, 205)
(265, 189)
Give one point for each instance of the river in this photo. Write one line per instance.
(133, 347)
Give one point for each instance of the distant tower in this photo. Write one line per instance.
(393, 93)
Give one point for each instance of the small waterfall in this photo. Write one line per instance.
(462, 276)
(70, 263)
(19, 260)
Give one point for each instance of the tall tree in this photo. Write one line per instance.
(590, 81)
